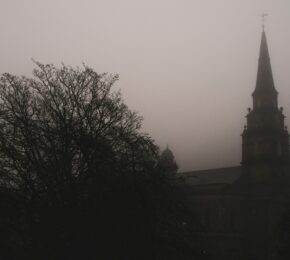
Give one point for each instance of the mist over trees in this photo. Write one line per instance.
(79, 180)
(167, 163)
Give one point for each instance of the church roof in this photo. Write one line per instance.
(213, 176)
(265, 82)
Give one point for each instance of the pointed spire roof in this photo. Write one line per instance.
(265, 82)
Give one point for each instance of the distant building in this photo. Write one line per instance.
(240, 208)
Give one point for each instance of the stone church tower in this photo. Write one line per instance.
(265, 165)
(265, 151)
(240, 208)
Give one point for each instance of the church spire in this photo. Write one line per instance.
(265, 138)
(265, 80)
(265, 88)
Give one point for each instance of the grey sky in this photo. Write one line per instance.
(187, 66)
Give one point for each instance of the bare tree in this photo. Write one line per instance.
(73, 155)
(62, 127)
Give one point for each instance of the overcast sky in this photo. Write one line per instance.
(187, 66)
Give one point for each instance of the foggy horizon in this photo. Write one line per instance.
(188, 67)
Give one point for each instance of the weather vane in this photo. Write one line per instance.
(263, 20)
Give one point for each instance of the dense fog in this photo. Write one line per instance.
(187, 66)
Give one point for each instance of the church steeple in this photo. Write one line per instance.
(265, 94)
(265, 139)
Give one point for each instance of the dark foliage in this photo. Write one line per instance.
(78, 178)
(167, 163)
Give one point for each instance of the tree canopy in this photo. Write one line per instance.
(167, 163)
(81, 174)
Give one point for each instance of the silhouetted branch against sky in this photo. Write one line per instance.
(188, 67)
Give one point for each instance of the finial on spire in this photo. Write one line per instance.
(263, 20)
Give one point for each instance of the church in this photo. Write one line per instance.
(240, 208)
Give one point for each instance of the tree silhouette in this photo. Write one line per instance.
(81, 174)
(167, 163)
